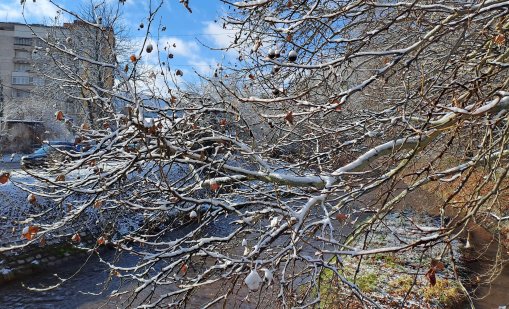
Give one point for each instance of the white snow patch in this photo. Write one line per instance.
(253, 280)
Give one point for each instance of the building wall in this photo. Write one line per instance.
(17, 42)
(21, 69)
(6, 57)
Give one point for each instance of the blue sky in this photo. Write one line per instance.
(183, 28)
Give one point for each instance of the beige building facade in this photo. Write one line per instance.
(28, 72)
(17, 42)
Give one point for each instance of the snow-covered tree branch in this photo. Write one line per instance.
(271, 175)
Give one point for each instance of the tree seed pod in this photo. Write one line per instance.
(149, 48)
(292, 56)
(271, 54)
(276, 91)
(179, 73)
(277, 53)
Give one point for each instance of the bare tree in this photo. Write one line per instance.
(345, 108)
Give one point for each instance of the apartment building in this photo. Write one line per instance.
(24, 71)
(17, 43)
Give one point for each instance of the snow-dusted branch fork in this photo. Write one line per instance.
(421, 140)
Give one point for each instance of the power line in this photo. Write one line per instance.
(176, 35)
(201, 34)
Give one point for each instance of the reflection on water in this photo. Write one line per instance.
(14, 295)
(87, 288)
(497, 293)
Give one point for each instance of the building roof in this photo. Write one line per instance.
(4, 24)
(21, 121)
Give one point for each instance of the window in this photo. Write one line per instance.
(21, 54)
(17, 93)
(23, 41)
(22, 80)
(21, 67)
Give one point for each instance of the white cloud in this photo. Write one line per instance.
(181, 48)
(203, 67)
(187, 56)
(221, 37)
(38, 11)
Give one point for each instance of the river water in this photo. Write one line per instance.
(87, 290)
(69, 295)
(495, 294)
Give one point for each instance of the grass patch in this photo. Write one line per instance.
(367, 282)
(401, 285)
(447, 293)
(389, 260)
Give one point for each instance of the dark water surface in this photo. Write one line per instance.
(496, 294)
(76, 292)
(87, 289)
(69, 295)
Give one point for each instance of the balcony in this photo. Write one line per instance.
(21, 79)
(22, 60)
(23, 41)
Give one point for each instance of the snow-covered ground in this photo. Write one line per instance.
(17, 212)
(14, 207)
(13, 157)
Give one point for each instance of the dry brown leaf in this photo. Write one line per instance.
(183, 269)
(430, 275)
(30, 231)
(31, 198)
(59, 115)
(341, 217)
(4, 178)
(42, 242)
(214, 186)
(499, 39)
(76, 238)
(289, 117)
(437, 265)
(101, 241)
